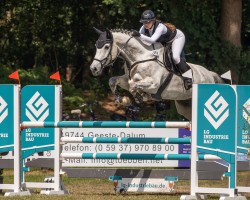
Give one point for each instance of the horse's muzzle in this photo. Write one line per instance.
(96, 69)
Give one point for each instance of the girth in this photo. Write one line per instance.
(167, 80)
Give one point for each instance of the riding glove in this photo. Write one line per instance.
(135, 33)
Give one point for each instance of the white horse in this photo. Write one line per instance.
(145, 72)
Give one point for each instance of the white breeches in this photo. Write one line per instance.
(177, 46)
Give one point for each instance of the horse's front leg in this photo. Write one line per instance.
(121, 81)
(137, 91)
(147, 85)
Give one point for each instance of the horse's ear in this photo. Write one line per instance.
(109, 34)
(97, 31)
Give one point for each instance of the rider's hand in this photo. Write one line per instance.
(135, 33)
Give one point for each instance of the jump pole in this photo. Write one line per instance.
(126, 140)
(106, 124)
(136, 156)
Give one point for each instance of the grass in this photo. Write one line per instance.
(102, 189)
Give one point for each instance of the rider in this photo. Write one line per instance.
(154, 31)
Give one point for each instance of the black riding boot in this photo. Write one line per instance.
(183, 67)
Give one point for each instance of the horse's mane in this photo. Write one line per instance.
(127, 32)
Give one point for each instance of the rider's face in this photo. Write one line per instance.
(148, 25)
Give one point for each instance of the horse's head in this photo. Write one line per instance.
(105, 55)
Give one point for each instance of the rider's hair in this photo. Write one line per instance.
(170, 26)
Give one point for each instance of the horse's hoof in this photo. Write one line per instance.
(122, 191)
(118, 100)
(112, 81)
(138, 98)
(125, 101)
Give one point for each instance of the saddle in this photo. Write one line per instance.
(168, 60)
(172, 68)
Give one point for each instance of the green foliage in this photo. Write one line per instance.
(5, 72)
(39, 75)
(244, 72)
(34, 76)
(72, 102)
(72, 97)
(98, 89)
(200, 22)
(55, 33)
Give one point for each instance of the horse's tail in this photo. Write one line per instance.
(217, 78)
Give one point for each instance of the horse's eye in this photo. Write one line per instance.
(106, 47)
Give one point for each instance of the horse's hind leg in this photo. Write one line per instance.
(184, 108)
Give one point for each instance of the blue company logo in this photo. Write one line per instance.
(216, 110)
(37, 108)
(3, 109)
(246, 110)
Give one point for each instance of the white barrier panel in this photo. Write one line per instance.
(121, 148)
(126, 148)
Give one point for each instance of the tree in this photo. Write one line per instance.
(230, 24)
(232, 30)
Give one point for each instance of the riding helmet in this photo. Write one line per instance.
(147, 15)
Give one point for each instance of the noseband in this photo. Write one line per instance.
(108, 61)
(104, 61)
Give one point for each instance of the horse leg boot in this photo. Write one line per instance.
(183, 67)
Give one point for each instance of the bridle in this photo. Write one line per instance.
(109, 61)
(104, 61)
(109, 57)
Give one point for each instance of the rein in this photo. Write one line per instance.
(112, 61)
(136, 62)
